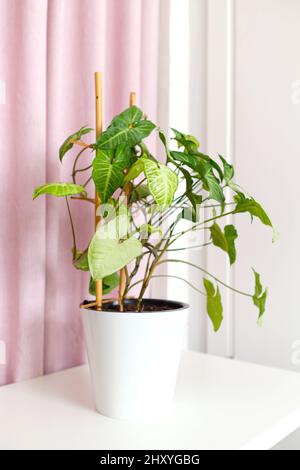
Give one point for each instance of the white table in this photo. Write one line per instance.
(219, 404)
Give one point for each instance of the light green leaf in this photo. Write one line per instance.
(58, 189)
(162, 182)
(81, 260)
(134, 171)
(108, 284)
(254, 209)
(213, 304)
(109, 252)
(260, 296)
(67, 145)
(107, 176)
(226, 240)
(128, 127)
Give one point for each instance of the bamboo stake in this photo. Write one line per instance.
(122, 283)
(99, 125)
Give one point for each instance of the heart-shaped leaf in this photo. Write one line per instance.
(260, 296)
(58, 189)
(213, 304)
(109, 251)
(254, 209)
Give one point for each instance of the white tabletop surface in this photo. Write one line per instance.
(219, 404)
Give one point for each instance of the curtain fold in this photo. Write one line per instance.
(49, 51)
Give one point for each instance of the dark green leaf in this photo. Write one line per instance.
(67, 145)
(215, 190)
(140, 192)
(260, 296)
(128, 127)
(58, 189)
(108, 284)
(189, 142)
(213, 304)
(228, 170)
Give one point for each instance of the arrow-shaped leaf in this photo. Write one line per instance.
(213, 304)
(128, 127)
(67, 145)
(58, 189)
(108, 252)
(226, 240)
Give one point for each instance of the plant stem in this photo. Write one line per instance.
(75, 164)
(206, 272)
(172, 276)
(72, 228)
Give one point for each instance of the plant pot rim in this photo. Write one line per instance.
(174, 305)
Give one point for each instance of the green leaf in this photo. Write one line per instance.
(215, 190)
(81, 260)
(122, 156)
(108, 284)
(107, 176)
(58, 189)
(228, 173)
(162, 182)
(140, 192)
(67, 145)
(213, 304)
(189, 160)
(189, 142)
(128, 127)
(109, 252)
(226, 240)
(254, 209)
(260, 296)
(134, 171)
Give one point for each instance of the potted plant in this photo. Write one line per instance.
(134, 343)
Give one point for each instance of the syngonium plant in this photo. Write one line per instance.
(166, 193)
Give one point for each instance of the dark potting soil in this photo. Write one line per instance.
(148, 305)
(132, 308)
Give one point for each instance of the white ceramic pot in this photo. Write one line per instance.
(134, 359)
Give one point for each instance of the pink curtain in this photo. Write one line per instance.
(49, 51)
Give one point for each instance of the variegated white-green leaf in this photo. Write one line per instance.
(128, 127)
(58, 189)
(162, 182)
(108, 252)
(107, 176)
